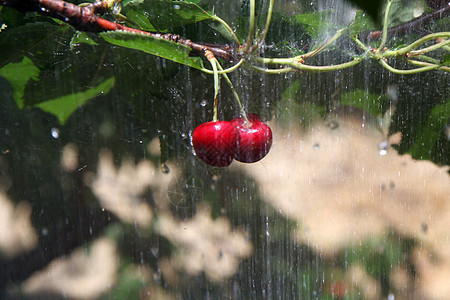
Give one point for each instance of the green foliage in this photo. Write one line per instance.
(429, 132)
(361, 23)
(163, 48)
(373, 8)
(371, 103)
(81, 37)
(64, 106)
(316, 23)
(16, 42)
(18, 74)
(163, 16)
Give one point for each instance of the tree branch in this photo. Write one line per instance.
(415, 24)
(86, 19)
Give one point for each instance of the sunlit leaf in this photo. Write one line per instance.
(64, 106)
(429, 132)
(18, 75)
(157, 15)
(162, 48)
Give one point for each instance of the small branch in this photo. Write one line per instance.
(86, 19)
(415, 24)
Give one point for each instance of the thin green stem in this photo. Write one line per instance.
(416, 44)
(385, 25)
(272, 71)
(323, 46)
(430, 48)
(229, 70)
(227, 27)
(266, 27)
(214, 64)
(251, 29)
(235, 94)
(407, 72)
(299, 66)
(425, 64)
(428, 59)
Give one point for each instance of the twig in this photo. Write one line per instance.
(86, 19)
(417, 23)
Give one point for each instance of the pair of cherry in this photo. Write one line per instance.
(217, 143)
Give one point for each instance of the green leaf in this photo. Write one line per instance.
(372, 8)
(18, 75)
(159, 47)
(315, 23)
(361, 23)
(16, 42)
(81, 37)
(446, 59)
(368, 102)
(428, 133)
(162, 16)
(64, 106)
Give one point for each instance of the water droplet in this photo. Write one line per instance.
(183, 135)
(55, 133)
(316, 146)
(176, 6)
(44, 231)
(383, 148)
(117, 8)
(165, 168)
(140, 142)
(203, 103)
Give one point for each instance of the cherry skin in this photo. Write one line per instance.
(214, 142)
(255, 139)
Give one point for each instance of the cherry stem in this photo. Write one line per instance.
(266, 27)
(214, 64)
(251, 29)
(385, 26)
(235, 94)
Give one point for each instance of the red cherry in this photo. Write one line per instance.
(214, 142)
(255, 139)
